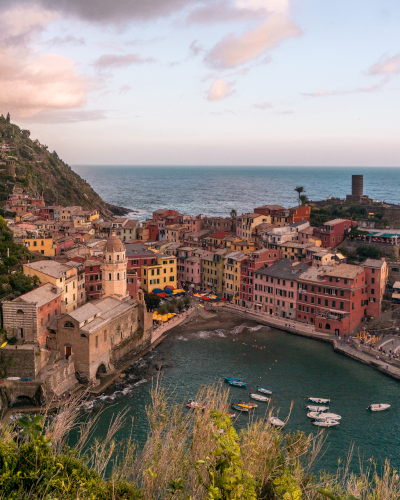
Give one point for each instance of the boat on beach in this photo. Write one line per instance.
(258, 397)
(276, 422)
(325, 423)
(239, 408)
(378, 407)
(317, 408)
(324, 416)
(264, 391)
(237, 383)
(195, 406)
(319, 400)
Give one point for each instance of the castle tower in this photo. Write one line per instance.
(114, 269)
(10, 167)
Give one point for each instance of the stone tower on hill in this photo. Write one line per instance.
(114, 269)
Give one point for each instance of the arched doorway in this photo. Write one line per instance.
(101, 371)
(327, 326)
(22, 401)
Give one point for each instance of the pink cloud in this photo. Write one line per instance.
(220, 89)
(224, 11)
(359, 90)
(263, 106)
(116, 61)
(31, 83)
(386, 66)
(124, 89)
(233, 51)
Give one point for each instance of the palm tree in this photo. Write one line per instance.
(233, 213)
(299, 190)
(303, 199)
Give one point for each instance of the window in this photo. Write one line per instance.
(372, 280)
(319, 301)
(118, 276)
(352, 305)
(109, 276)
(326, 302)
(333, 303)
(91, 278)
(68, 324)
(91, 289)
(97, 341)
(342, 293)
(372, 291)
(394, 269)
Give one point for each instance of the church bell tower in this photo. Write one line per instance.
(114, 269)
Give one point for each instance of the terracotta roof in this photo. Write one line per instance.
(114, 244)
(219, 235)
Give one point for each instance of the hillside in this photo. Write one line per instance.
(44, 173)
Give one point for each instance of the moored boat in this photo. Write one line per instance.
(231, 379)
(325, 423)
(317, 408)
(258, 397)
(264, 391)
(239, 408)
(378, 407)
(195, 406)
(276, 422)
(231, 414)
(323, 416)
(237, 383)
(319, 400)
(248, 403)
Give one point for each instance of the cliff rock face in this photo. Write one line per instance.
(45, 174)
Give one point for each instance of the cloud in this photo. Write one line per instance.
(233, 51)
(359, 90)
(66, 40)
(69, 116)
(220, 89)
(224, 11)
(116, 61)
(263, 106)
(124, 89)
(195, 48)
(389, 66)
(106, 11)
(31, 83)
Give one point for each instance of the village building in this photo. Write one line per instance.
(246, 224)
(28, 316)
(212, 271)
(333, 232)
(231, 275)
(61, 275)
(275, 288)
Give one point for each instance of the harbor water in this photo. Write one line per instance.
(292, 367)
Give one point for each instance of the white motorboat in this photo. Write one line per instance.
(194, 405)
(317, 408)
(275, 421)
(323, 416)
(378, 407)
(258, 397)
(264, 391)
(325, 423)
(319, 401)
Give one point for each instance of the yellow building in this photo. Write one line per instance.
(42, 245)
(244, 246)
(175, 232)
(212, 270)
(62, 275)
(246, 224)
(160, 274)
(231, 276)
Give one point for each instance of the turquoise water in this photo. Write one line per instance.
(291, 366)
(217, 190)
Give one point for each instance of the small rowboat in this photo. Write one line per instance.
(319, 400)
(195, 406)
(378, 407)
(239, 408)
(317, 408)
(275, 421)
(231, 414)
(323, 416)
(242, 405)
(258, 397)
(264, 391)
(325, 423)
(248, 403)
(230, 379)
(237, 383)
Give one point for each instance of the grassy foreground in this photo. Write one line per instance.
(188, 455)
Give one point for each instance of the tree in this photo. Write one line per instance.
(303, 199)
(233, 213)
(152, 301)
(299, 190)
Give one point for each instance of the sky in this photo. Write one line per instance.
(205, 82)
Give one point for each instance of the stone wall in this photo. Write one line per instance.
(390, 251)
(132, 345)
(22, 361)
(18, 315)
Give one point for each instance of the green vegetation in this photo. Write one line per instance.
(300, 190)
(195, 455)
(321, 215)
(171, 306)
(44, 173)
(152, 301)
(12, 255)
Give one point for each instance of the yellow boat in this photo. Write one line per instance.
(245, 406)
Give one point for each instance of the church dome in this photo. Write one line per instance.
(114, 244)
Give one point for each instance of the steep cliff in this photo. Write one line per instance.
(44, 173)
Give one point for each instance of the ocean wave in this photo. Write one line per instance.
(88, 406)
(205, 334)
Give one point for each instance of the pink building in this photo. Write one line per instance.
(188, 268)
(276, 289)
(376, 277)
(194, 224)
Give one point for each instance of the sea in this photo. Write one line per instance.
(217, 190)
(292, 367)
